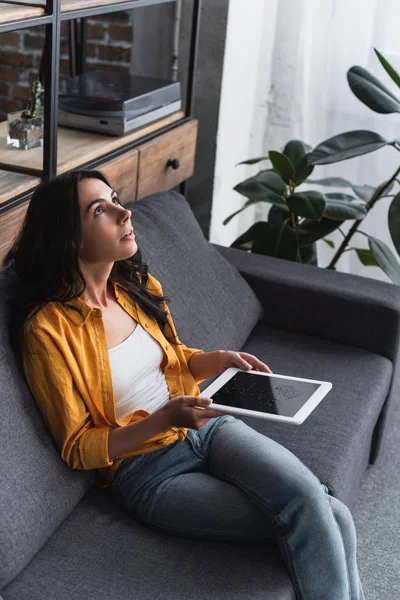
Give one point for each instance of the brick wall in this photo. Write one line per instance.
(109, 43)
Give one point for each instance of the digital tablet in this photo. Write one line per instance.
(265, 395)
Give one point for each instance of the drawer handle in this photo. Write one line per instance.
(174, 163)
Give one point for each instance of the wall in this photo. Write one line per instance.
(243, 111)
(206, 108)
(109, 43)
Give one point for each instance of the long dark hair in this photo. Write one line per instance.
(44, 258)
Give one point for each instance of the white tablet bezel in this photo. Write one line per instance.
(297, 419)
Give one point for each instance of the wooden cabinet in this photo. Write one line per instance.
(167, 161)
(10, 224)
(121, 173)
(155, 166)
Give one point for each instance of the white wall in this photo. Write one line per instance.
(243, 111)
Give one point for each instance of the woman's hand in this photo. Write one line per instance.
(188, 411)
(241, 360)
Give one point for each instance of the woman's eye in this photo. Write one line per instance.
(117, 200)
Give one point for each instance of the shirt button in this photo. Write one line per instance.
(166, 347)
(147, 325)
(171, 367)
(174, 391)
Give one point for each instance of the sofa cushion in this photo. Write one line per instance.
(335, 440)
(212, 306)
(37, 489)
(102, 552)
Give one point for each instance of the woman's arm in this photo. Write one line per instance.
(204, 365)
(82, 445)
(184, 411)
(122, 440)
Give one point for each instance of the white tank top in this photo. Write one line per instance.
(138, 381)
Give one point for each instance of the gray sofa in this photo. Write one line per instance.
(61, 538)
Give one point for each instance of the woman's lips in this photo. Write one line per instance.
(128, 238)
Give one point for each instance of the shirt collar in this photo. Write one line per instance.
(86, 310)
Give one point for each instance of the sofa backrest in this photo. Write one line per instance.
(37, 489)
(213, 308)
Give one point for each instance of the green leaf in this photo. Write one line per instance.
(366, 257)
(371, 91)
(270, 239)
(303, 169)
(248, 203)
(388, 189)
(388, 68)
(340, 197)
(329, 242)
(365, 192)
(385, 259)
(277, 214)
(309, 231)
(282, 165)
(252, 161)
(394, 221)
(277, 240)
(248, 237)
(266, 186)
(340, 209)
(295, 150)
(332, 182)
(346, 145)
(308, 204)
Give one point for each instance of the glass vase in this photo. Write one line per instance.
(25, 132)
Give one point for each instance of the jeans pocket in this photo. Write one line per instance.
(128, 467)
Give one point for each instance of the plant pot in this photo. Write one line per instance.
(25, 132)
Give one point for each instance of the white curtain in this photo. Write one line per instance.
(315, 43)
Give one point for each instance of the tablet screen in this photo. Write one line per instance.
(270, 394)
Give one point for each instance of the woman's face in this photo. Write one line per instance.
(104, 222)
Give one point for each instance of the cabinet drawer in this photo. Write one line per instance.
(121, 172)
(10, 224)
(167, 160)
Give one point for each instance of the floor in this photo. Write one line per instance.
(376, 514)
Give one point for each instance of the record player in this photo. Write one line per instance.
(115, 103)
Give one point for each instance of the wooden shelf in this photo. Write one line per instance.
(14, 184)
(74, 148)
(13, 12)
(17, 12)
(68, 5)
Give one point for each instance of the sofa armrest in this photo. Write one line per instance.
(323, 303)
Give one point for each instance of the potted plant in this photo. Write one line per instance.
(25, 129)
(297, 219)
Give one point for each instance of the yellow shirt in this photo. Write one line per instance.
(66, 365)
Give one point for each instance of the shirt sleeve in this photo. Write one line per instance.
(155, 287)
(82, 444)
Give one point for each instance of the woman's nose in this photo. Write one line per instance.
(128, 213)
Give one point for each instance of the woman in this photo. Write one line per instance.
(119, 393)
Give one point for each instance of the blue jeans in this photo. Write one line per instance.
(229, 482)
